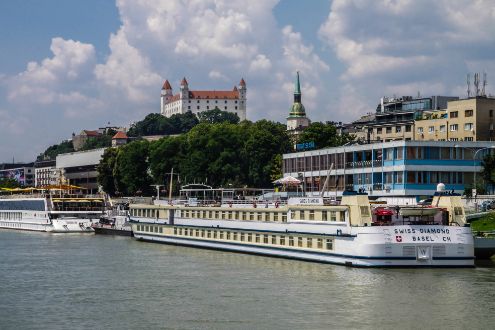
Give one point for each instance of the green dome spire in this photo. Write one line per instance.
(297, 108)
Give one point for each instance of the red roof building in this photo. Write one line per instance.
(198, 101)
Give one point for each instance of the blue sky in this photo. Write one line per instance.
(72, 65)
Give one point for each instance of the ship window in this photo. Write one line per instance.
(299, 241)
(311, 215)
(329, 244)
(284, 217)
(243, 215)
(221, 234)
(275, 216)
(156, 229)
(282, 240)
(242, 237)
(324, 215)
(274, 239)
(365, 211)
(228, 235)
(230, 214)
(319, 243)
(342, 216)
(234, 236)
(250, 237)
(202, 233)
(259, 216)
(258, 238)
(291, 240)
(180, 231)
(161, 230)
(457, 210)
(301, 215)
(333, 216)
(214, 234)
(197, 232)
(309, 242)
(265, 239)
(251, 215)
(208, 233)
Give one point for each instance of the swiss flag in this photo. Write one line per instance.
(398, 238)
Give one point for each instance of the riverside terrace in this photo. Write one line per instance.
(396, 168)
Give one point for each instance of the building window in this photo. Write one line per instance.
(468, 113)
(408, 128)
(388, 130)
(398, 129)
(491, 113)
(468, 127)
(468, 139)
(454, 127)
(420, 129)
(431, 129)
(443, 128)
(454, 114)
(379, 130)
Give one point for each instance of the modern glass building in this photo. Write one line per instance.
(396, 168)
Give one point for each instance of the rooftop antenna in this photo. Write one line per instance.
(468, 81)
(484, 84)
(477, 84)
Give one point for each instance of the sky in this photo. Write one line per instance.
(68, 65)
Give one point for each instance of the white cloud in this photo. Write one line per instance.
(405, 46)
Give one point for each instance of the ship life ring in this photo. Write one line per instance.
(277, 204)
(230, 204)
(254, 204)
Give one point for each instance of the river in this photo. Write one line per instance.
(82, 281)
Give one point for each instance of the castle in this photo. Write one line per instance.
(198, 101)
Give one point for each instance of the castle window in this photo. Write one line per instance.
(207, 101)
(236, 101)
(236, 107)
(207, 107)
(189, 101)
(216, 101)
(197, 107)
(225, 108)
(225, 101)
(198, 101)
(188, 107)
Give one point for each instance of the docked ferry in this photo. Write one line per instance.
(57, 214)
(312, 229)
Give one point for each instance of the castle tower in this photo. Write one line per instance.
(297, 120)
(166, 95)
(242, 99)
(184, 89)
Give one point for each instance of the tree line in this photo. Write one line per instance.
(212, 152)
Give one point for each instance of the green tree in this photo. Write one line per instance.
(52, 151)
(165, 154)
(183, 123)
(106, 169)
(487, 174)
(9, 183)
(152, 124)
(131, 169)
(218, 116)
(323, 135)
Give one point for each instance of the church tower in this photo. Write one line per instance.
(297, 120)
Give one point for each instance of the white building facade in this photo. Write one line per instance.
(198, 101)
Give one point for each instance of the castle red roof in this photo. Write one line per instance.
(166, 85)
(91, 133)
(242, 83)
(120, 135)
(183, 82)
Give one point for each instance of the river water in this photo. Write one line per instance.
(65, 281)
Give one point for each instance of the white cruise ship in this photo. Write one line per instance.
(349, 233)
(57, 214)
